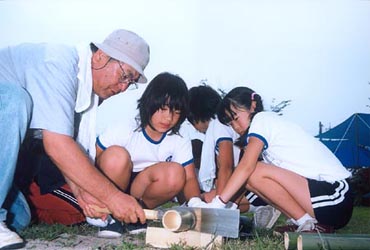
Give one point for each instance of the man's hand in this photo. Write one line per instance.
(85, 200)
(125, 208)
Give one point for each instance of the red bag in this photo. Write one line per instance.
(56, 207)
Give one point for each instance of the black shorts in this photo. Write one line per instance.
(254, 199)
(332, 202)
(132, 178)
(35, 165)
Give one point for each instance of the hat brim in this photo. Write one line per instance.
(118, 55)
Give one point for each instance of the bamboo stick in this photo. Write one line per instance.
(314, 241)
(290, 240)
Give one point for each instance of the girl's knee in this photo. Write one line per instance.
(114, 157)
(176, 176)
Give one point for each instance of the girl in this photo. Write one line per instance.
(219, 155)
(150, 160)
(299, 175)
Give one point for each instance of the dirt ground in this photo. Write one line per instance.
(80, 242)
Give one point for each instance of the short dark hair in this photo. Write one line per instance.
(239, 97)
(165, 89)
(203, 102)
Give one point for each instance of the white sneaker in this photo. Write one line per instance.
(9, 239)
(308, 225)
(265, 216)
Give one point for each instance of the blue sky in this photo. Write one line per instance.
(316, 53)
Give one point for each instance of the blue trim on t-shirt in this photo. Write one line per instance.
(151, 140)
(223, 139)
(187, 162)
(220, 140)
(100, 144)
(265, 144)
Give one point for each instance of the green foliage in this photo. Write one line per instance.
(360, 183)
(279, 107)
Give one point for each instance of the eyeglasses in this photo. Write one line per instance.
(127, 78)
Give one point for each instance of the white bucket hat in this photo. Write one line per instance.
(127, 47)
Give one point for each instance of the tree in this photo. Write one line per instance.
(278, 108)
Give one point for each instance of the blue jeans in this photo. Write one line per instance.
(15, 114)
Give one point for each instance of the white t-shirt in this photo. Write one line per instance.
(288, 146)
(143, 150)
(49, 74)
(59, 80)
(216, 133)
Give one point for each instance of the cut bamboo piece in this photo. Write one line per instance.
(178, 221)
(290, 240)
(163, 238)
(314, 241)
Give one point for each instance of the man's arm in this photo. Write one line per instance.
(79, 171)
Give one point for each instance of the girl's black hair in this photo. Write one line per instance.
(165, 89)
(203, 102)
(239, 97)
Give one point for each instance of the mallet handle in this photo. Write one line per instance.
(149, 214)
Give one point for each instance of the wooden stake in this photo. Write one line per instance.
(163, 238)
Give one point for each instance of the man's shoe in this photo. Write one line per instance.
(114, 229)
(136, 228)
(97, 222)
(9, 239)
(265, 216)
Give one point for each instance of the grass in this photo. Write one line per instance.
(359, 223)
(260, 239)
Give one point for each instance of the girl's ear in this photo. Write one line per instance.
(253, 106)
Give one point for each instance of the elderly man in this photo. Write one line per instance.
(48, 100)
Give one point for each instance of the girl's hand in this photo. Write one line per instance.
(196, 202)
(218, 203)
(208, 196)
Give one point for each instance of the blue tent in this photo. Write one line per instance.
(350, 141)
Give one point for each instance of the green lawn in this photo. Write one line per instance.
(261, 239)
(359, 223)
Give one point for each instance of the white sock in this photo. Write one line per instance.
(304, 218)
(252, 208)
(294, 221)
